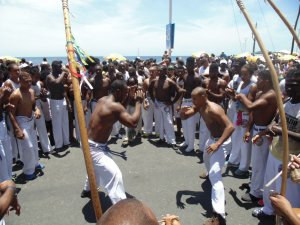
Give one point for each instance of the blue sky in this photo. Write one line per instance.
(36, 28)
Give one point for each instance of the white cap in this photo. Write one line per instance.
(223, 61)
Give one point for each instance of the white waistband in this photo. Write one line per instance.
(97, 143)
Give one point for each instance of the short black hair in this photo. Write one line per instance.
(118, 85)
(56, 64)
(190, 61)
(265, 75)
(293, 73)
(34, 70)
(214, 67)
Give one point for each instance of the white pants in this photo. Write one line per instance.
(87, 116)
(292, 189)
(240, 151)
(132, 132)
(16, 149)
(5, 153)
(108, 174)
(29, 144)
(60, 122)
(231, 110)
(203, 135)
(258, 161)
(214, 163)
(116, 128)
(42, 130)
(46, 109)
(166, 128)
(148, 116)
(157, 118)
(189, 126)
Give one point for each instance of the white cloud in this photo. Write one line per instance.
(35, 28)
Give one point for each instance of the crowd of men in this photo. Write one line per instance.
(230, 103)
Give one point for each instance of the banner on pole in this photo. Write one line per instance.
(170, 32)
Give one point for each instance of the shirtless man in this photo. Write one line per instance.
(148, 105)
(263, 112)
(110, 109)
(6, 159)
(215, 92)
(274, 161)
(13, 83)
(161, 90)
(189, 125)
(40, 93)
(100, 84)
(220, 129)
(21, 117)
(58, 105)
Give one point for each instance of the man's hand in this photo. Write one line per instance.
(246, 137)
(212, 148)
(230, 92)
(146, 104)
(183, 110)
(14, 205)
(281, 205)
(256, 139)
(295, 163)
(19, 133)
(37, 113)
(272, 129)
(8, 107)
(139, 96)
(6, 93)
(170, 220)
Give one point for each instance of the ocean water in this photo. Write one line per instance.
(38, 60)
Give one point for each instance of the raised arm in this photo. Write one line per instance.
(128, 120)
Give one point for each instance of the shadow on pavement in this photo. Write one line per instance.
(88, 210)
(61, 154)
(197, 197)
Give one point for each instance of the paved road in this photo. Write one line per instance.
(166, 181)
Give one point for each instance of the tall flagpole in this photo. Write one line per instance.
(81, 120)
(289, 26)
(278, 97)
(170, 22)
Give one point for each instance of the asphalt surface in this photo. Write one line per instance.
(166, 180)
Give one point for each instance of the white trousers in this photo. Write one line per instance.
(240, 151)
(5, 153)
(292, 189)
(116, 128)
(29, 144)
(60, 122)
(46, 109)
(42, 130)
(166, 128)
(148, 117)
(214, 163)
(189, 127)
(132, 132)
(108, 174)
(16, 149)
(87, 116)
(203, 135)
(157, 118)
(231, 110)
(258, 161)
